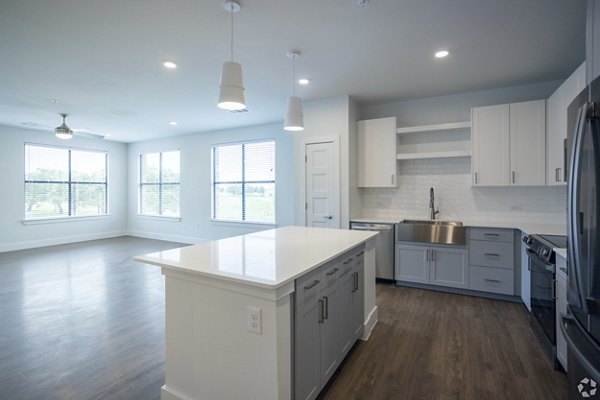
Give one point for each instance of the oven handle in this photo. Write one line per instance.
(534, 256)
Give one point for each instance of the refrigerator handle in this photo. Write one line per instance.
(569, 320)
(573, 203)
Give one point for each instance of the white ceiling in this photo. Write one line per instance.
(102, 60)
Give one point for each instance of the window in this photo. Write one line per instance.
(159, 184)
(63, 182)
(243, 182)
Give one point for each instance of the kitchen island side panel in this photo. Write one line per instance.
(210, 354)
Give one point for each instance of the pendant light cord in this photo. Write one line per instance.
(294, 76)
(231, 49)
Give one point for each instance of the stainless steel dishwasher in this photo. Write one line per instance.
(384, 244)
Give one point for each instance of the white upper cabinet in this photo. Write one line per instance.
(376, 142)
(491, 145)
(556, 125)
(528, 143)
(509, 144)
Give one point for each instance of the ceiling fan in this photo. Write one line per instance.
(64, 132)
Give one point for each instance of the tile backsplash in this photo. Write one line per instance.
(456, 199)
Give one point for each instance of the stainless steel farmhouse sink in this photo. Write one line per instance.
(431, 231)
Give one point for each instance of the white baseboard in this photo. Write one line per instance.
(167, 393)
(167, 237)
(370, 323)
(30, 244)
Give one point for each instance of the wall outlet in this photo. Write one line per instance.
(254, 320)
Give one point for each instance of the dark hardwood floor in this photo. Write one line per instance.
(84, 321)
(432, 345)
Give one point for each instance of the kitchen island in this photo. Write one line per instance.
(230, 308)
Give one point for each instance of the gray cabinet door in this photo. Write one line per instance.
(330, 354)
(449, 267)
(358, 300)
(346, 320)
(412, 263)
(308, 349)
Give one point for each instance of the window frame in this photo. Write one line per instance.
(70, 183)
(160, 184)
(243, 183)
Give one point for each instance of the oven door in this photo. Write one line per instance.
(543, 305)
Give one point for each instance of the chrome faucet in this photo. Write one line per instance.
(432, 209)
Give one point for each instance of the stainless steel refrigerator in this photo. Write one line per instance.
(582, 324)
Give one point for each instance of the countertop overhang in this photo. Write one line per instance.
(267, 259)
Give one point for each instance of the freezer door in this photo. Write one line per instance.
(583, 360)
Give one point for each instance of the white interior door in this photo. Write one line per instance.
(322, 196)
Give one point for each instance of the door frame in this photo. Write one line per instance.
(304, 141)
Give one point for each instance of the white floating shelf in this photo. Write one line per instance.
(437, 127)
(438, 154)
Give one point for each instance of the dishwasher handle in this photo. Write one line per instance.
(373, 227)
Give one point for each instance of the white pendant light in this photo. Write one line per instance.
(294, 120)
(63, 131)
(231, 95)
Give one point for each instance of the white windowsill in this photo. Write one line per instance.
(159, 218)
(242, 224)
(63, 219)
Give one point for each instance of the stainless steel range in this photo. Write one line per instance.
(542, 264)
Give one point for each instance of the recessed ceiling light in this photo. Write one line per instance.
(173, 123)
(441, 53)
(170, 64)
(303, 81)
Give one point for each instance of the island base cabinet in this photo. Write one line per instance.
(329, 320)
(307, 361)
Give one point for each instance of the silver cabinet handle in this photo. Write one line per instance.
(427, 254)
(513, 177)
(432, 255)
(492, 234)
(355, 282)
(321, 311)
(348, 261)
(556, 174)
(393, 179)
(312, 285)
(559, 173)
(491, 280)
(476, 178)
(492, 255)
(333, 271)
(328, 217)
(326, 313)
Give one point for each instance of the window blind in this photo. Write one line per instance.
(243, 182)
(159, 184)
(65, 182)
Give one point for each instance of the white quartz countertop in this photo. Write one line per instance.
(268, 259)
(524, 226)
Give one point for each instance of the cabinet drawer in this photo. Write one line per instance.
(492, 254)
(496, 235)
(309, 285)
(493, 280)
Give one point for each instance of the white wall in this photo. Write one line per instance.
(451, 178)
(324, 118)
(195, 224)
(14, 235)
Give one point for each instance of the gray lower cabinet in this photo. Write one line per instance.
(435, 265)
(328, 320)
(492, 260)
